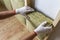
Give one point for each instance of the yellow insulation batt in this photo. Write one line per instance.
(35, 17)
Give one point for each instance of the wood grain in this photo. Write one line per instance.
(10, 27)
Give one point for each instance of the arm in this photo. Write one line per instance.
(29, 36)
(40, 29)
(22, 11)
(7, 13)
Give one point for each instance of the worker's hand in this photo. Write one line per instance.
(42, 29)
(24, 10)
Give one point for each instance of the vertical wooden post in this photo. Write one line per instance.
(57, 19)
(28, 3)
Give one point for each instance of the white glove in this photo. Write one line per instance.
(42, 29)
(24, 10)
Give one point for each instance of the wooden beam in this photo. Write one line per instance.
(57, 19)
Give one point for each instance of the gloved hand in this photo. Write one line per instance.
(24, 10)
(42, 29)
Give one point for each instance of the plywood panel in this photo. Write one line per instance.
(10, 27)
